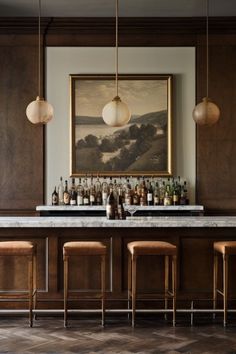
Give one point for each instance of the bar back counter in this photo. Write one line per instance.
(193, 235)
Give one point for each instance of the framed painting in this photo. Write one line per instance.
(142, 147)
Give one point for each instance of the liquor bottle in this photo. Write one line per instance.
(182, 200)
(136, 197)
(86, 192)
(120, 209)
(149, 193)
(60, 192)
(128, 192)
(73, 193)
(92, 194)
(167, 198)
(162, 190)
(110, 186)
(55, 197)
(104, 192)
(111, 206)
(156, 198)
(66, 195)
(175, 195)
(98, 191)
(80, 193)
(143, 196)
(186, 192)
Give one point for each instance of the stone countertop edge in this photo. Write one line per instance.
(138, 222)
(101, 207)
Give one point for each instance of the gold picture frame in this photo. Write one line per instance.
(141, 148)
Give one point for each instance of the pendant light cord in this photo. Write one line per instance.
(207, 47)
(39, 49)
(117, 10)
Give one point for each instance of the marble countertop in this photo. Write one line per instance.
(139, 222)
(102, 207)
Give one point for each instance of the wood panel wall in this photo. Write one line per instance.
(22, 145)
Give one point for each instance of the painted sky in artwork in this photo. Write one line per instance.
(142, 96)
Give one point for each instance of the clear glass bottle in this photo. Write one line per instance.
(80, 193)
(60, 192)
(98, 192)
(104, 192)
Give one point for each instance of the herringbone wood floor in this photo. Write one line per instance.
(87, 336)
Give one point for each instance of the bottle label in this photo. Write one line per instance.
(66, 198)
(54, 199)
(149, 197)
(80, 200)
(92, 198)
(72, 202)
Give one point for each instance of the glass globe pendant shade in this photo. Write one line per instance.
(116, 113)
(206, 112)
(39, 111)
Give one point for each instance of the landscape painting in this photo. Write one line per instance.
(142, 147)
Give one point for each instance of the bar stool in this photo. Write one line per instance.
(152, 248)
(84, 248)
(226, 249)
(22, 249)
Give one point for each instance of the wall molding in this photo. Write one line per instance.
(104, 25)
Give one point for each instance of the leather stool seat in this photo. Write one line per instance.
(25, 249)
(16, 248)
(84, 248)
(225, 247)
(159, 248)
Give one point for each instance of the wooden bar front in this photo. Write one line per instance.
(195, 263)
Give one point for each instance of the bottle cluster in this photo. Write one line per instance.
(131, 191)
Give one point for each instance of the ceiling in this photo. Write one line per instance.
(127, 8)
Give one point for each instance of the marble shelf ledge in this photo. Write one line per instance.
(102, 207)
(137, 222)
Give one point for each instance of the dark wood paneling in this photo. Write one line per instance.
(195, 264)
(216, 145)
(21, 143)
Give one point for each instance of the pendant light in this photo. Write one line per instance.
(116, 113)
(39, 111)
(206, 112)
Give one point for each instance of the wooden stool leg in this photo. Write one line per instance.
(166, 283)
(129, 281)
(30, 287)
(34, 284)
(174, 280)
(215, 282)
(65, 289)
(103, 282)
(134, 264)
(225, 286)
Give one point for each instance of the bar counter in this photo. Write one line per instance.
(135, 222)
(194, 237)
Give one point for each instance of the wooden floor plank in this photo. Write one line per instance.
(87, 336)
